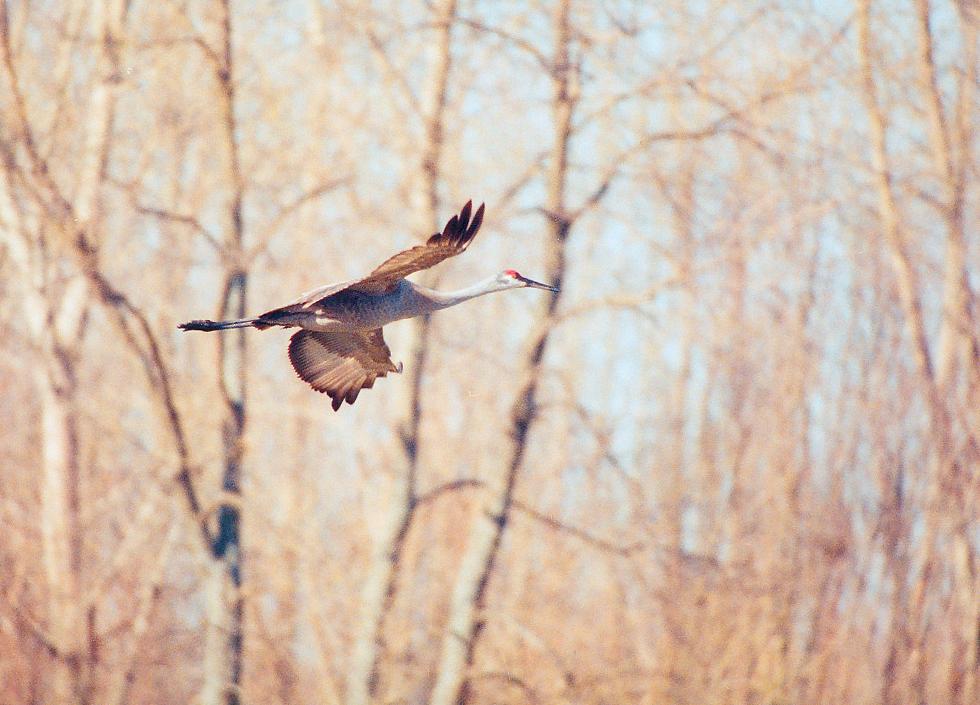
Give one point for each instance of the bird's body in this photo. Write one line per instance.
(340, 348)
(351, 310)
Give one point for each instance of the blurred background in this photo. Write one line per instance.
(735, 460)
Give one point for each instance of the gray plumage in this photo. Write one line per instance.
(340, 349)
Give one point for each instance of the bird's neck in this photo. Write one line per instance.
(444, 299)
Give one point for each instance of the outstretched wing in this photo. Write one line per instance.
(340, 364)
(454, 239)
(307, 300)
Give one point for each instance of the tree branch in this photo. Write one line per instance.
(290, 208)
(157, 373)
(453, 486)
(581, 535)
(621, 301)
(522, 44)
(188, 220)
(510, 679)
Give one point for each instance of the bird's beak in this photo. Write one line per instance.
(537, 285)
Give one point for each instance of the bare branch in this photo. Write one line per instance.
(378, 48)
(157, 372)
(510, 679)
(522, 181)
(618, 163)
(522, 44)
(629, 302)
(289, 209)
(52, 196)
(38, 632)
(453, 486)
(182, 219)
(581, 535)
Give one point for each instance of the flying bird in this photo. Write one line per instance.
(339, 349)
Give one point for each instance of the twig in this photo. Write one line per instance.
(155, 367)
(289, 209)
(588, 538)
(623, 301)
(511, 679)
(436, 492)
(187, 220)
(522, 44)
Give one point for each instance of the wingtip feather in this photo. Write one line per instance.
(477, 221)
(464, 216)
(451, 226)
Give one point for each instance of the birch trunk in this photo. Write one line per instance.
(55, 313)
(952, 148)
(54, 377)
(62, 543)
(468, 601)
(225, 659)
(951, 153)
(887, 208)
(942, 501)
(378, 593)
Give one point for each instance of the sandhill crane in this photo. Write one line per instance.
(340, 349)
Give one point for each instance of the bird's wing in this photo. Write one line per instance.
(340, 364)
(454, 239)
(308, 299)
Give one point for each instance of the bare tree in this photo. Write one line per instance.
(734, 461)
(946, 471)
(381, 582)
(56, 312)
(466, 610)
(224, 658)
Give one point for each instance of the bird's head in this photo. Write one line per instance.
(512, 279)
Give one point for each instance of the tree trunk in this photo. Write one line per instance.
(951, 153)
(225, 660)
(55, 312)
(468, 601)
(54, 323)
(55, 379)
(378, 593)
(946, 488)
(951, 143)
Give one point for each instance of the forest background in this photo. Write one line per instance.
(735, 460)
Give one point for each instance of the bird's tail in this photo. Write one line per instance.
(218, 325)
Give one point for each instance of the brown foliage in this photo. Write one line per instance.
(735, 460)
